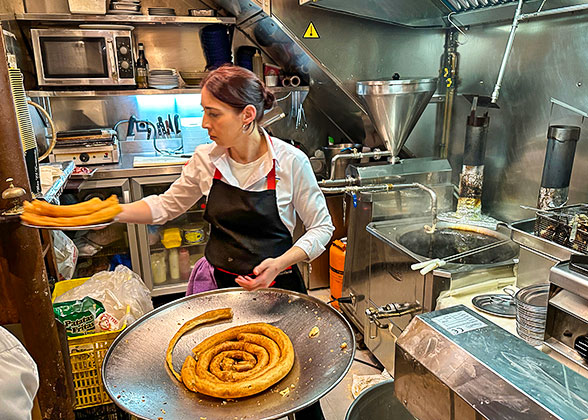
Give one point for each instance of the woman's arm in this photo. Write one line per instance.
(137, 212)
(180, 196)
(311, 206)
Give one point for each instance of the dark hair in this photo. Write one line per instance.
(239, 87)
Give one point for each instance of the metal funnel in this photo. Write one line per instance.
(395, 106)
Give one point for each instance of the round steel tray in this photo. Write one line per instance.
(136, 379)
(81, 227)
(496, 304)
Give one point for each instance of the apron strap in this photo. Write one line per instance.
(271, 177)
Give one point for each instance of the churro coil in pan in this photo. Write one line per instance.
(268, 345)
(234, 363)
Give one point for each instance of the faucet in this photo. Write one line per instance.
(434, 211)
(390, 310)
(376, 154)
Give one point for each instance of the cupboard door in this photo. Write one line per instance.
(168, 252)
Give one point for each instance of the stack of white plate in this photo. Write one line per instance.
(163, 79)
(162, 11)
(125, 7)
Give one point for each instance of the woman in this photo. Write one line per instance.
(255, 185)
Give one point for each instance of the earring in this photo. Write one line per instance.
(245, 128)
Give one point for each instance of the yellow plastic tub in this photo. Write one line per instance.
(87, 353)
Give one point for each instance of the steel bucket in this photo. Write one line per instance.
(378, 402)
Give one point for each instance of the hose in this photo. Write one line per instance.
(53, 132)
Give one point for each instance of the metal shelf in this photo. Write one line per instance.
(169, 288)
(123, 19)
(54, 192)
(133, 92)
(100, 93)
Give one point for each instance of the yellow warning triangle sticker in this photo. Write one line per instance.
(311, 32)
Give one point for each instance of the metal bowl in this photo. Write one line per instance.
(193, 78)
(378, 402)
(531, 303)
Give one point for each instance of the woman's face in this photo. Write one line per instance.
(223, 122)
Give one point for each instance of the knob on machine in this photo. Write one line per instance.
(581, 346)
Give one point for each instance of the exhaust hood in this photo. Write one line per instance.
(426, 13)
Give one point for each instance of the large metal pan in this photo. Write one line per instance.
(136, 379)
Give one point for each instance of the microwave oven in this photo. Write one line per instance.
(83, 57)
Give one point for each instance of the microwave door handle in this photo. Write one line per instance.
(112, 55)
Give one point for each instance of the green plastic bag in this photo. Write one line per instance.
(78, 315)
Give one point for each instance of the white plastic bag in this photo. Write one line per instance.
(66, 254)
(361, 382)
(116, 290)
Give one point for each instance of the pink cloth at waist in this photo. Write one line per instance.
(201, 278)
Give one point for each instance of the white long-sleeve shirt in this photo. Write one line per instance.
(19, 379)
(296, 190)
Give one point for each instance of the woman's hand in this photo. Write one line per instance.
(265, 274)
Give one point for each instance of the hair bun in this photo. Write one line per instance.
(268, 99)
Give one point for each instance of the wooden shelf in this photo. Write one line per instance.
(159, 247)
(134, 92)
(122, 19)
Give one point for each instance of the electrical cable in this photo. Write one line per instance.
(380, 368)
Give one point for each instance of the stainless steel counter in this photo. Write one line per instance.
(124, 168)
(474, 369)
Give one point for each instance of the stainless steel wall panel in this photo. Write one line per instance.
(176, 46)
(354, 49)
(548, 60)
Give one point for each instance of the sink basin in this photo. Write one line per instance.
(446, 242)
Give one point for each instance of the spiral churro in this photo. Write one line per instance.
(237, 362)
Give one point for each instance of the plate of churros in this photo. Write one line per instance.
(92, 214)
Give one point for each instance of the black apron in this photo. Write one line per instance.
(245, 229)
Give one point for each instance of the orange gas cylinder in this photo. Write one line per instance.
(336, 267)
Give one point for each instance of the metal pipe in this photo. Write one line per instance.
(567, 9)
(433, 195)
(519, 17)
(357, 155)
(272, 120)
(338, 182)
(385, 188)
(513, 29)
(393, 310)
(356, 188)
